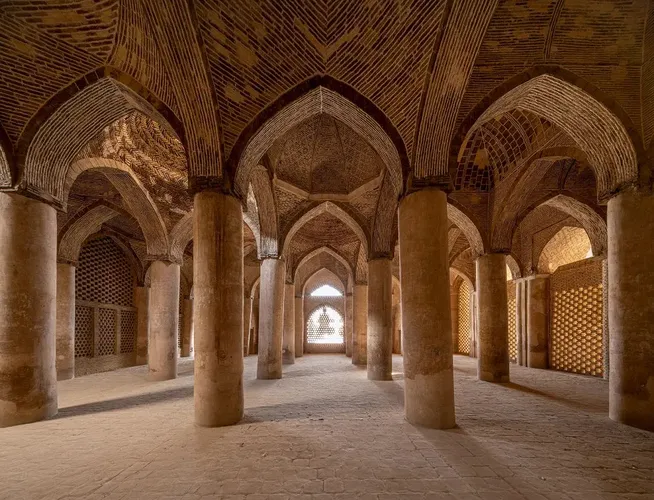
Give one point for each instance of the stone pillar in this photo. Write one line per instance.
(474, 326)
(65, 321)
(187, 328)
(299, 326)
(360, 325)
(271, 318)
(454, 315)
(397, 327)
(493, 320)
(631, 309)
(254, 330)
(519, 333)
(380, 319)
(288, 341)
(164, 320)
(348, 324)
(605, 320)
(28, 273)
(218, 309)
(247, 322)
(538, 300)
(142, 304)
(426, 322)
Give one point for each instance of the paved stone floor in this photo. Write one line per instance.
(325, 431)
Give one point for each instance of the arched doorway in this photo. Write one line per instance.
(325, 328)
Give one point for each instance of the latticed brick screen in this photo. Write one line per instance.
(127, 331)
(83, 331)
(465, 326)
(576, 327)
(513, 333)
(104, 295)
(104, 274)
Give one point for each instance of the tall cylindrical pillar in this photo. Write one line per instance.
(397, 329)
(288, 339)
(380, 319)
(299, 326)
(538, 300)
(606, 356)
(142, 304)
(247, 321)
(360, 325)
(164, 320)
(218, 309)
(28, 273)
(187, 328)
(631, 309)
(65, 321)
(426, 322)
(493, 320)
(271, 318)
(348, 324)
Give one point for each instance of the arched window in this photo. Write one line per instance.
(326, 291)
(325, 326)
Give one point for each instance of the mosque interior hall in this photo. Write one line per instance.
(326, 249)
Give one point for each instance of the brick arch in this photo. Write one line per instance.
(342, 287)
(73, 235)
(320, 94)
(596, 123)
(514, 266)
(180, 236)
(463, 277)
(456, 214)
(327, 250)
(568, 245)
(332, 209)
(267, 235)
(73, 117)
(137, 198)
(6, 161)
(254, 287)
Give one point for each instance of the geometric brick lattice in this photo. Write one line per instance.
(325, 326)
(465, 319)
(107, 332)
(127, 331)
(104, 274)
(513, 340)
(576, 332)
(83, 331)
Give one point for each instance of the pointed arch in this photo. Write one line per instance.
(593, 223)
(333, 209)
(467, 227)
(596, 123)
(6, 161)
(514, 267)
(343, 286)
(136, 197)
(463, 276)
(180, 236)
(318, 251)
(69, 120)
(74, 234)
(320, 94)
(261, 187)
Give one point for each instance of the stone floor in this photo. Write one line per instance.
(325, 431)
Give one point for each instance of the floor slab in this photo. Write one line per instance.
(325, 431)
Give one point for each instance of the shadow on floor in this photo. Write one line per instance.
(124, 403)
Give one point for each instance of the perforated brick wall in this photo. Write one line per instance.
(576, 342)
(465, 319)
(511, 304)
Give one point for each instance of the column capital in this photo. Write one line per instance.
(222, 185)
(440, 182)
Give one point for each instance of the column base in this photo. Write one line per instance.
(497, 378)
(429, 401)
(155, 376)
(65, 374)
(380, 375)
(9, 418)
